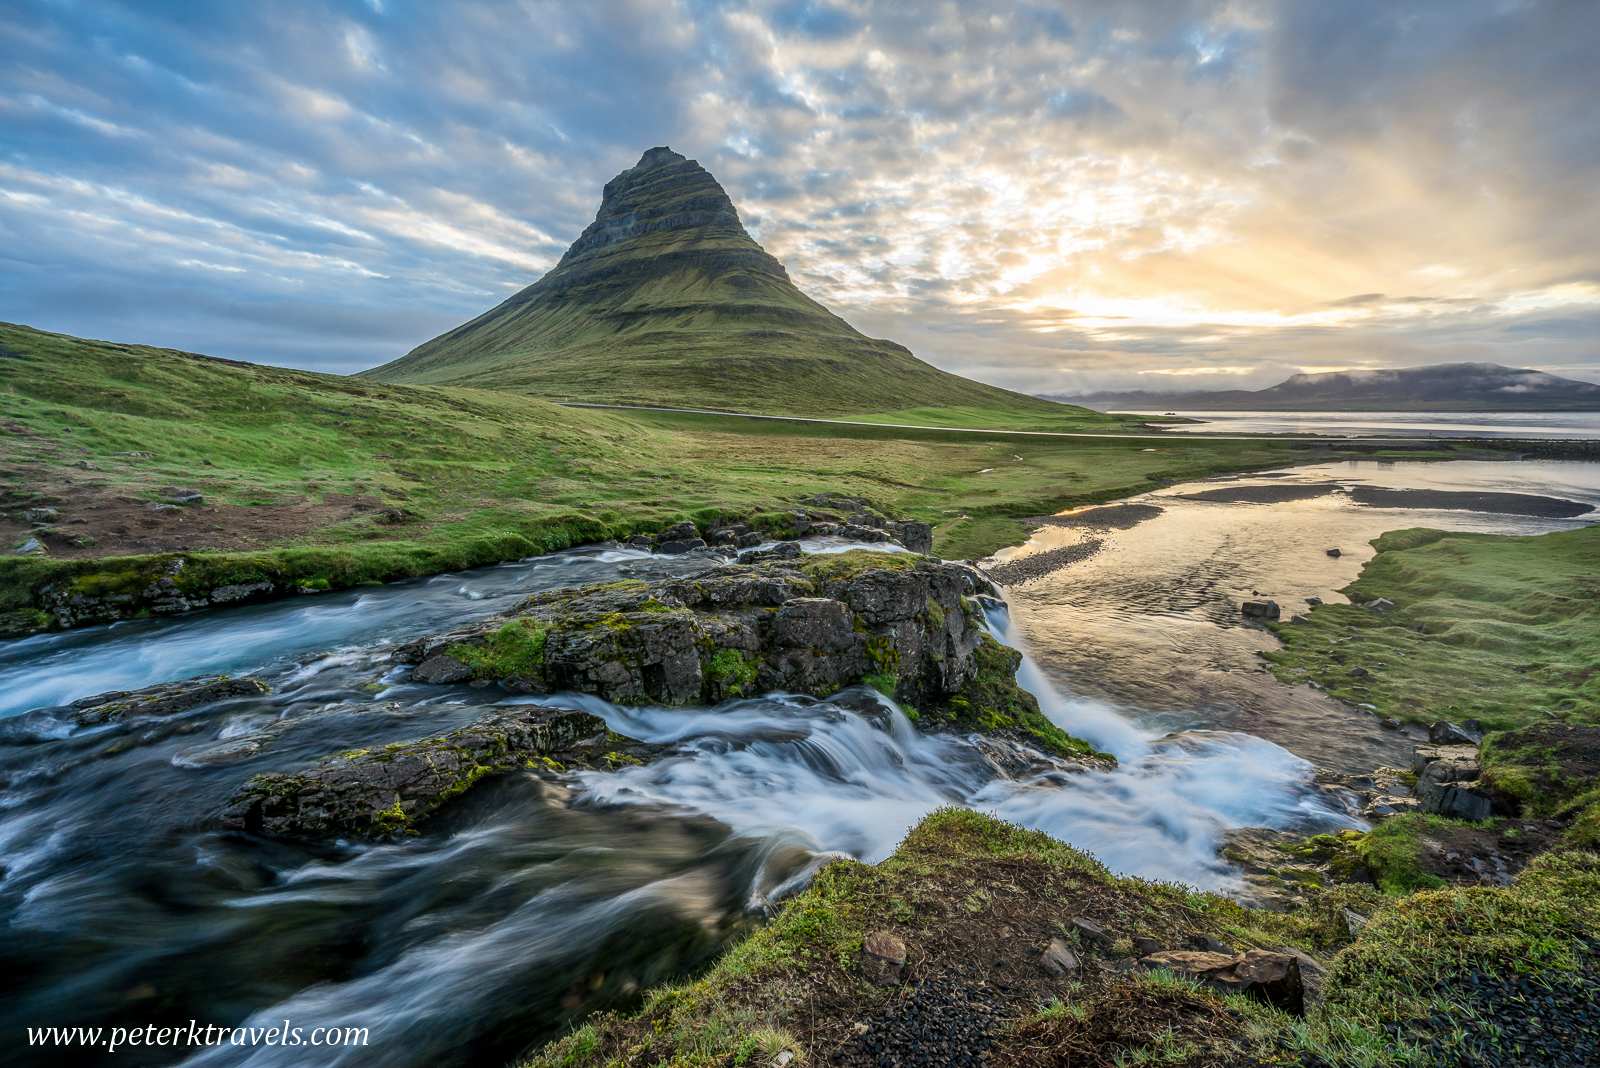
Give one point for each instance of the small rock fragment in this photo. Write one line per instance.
(883, 956)
(1059, 960)
(1091, 931)
(1210, 944)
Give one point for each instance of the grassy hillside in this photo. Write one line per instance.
(666, 300)
(1499, 628)
(449, 477)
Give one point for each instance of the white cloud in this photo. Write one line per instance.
(1050, 196)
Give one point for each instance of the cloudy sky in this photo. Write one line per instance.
(1056, 197)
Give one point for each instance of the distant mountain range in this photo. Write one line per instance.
(666, 300)
(1445, 387)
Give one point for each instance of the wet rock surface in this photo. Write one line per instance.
(814, 626)
(384, 792)
(163, 699)
(1105, 517)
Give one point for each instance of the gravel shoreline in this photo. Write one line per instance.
(1037, 566)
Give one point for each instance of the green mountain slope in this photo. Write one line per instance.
(666, 300)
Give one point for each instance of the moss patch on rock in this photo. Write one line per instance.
(517, 648)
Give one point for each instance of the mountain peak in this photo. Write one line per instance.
(657, 157)
(665, 295)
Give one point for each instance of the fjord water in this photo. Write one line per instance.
(535, 900)
(1560, 425)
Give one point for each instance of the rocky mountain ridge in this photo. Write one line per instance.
(1482, 387)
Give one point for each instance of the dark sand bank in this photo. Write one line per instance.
(1383, 497)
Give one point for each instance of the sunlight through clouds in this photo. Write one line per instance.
(1049, 196)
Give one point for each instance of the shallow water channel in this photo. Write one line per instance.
(532, 902)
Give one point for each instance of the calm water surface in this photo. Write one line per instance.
(1151, 624)
(1410, 424)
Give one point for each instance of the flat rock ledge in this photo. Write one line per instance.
(163, 699)
(908, 626)
(385, 792)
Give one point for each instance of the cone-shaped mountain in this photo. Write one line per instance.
(666, 300)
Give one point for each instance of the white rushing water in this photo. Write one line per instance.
(855, 784)
(799, 780)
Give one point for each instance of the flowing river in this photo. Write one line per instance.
(533, 901)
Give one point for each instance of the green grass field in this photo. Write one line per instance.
(489, 475)
(1499, 628)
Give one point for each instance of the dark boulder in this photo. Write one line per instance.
(164, 699)
(784, 550)
(380, 793)
(678, 547)
(914, 535)
(1448, 783)
(1443, 733)
(682, 532)
(440, 670)
(1259, 609)
(1457, 800)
